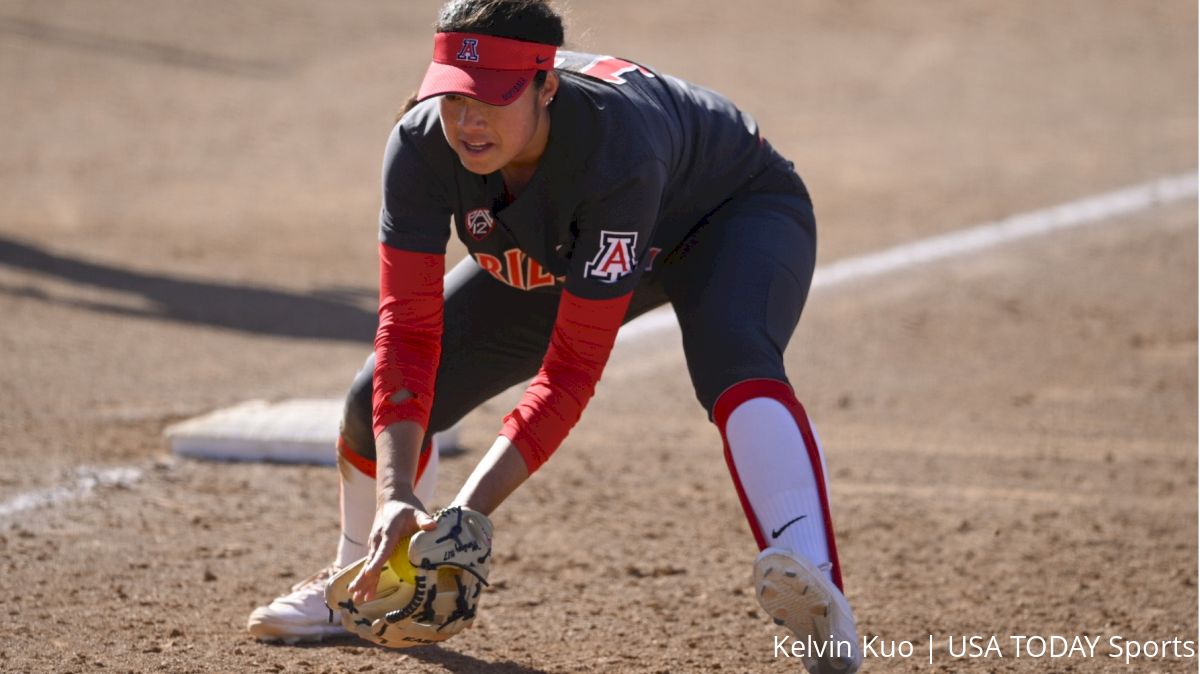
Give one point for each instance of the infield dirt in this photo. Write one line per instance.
(188, 203)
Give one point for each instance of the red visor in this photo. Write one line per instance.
(492, 69)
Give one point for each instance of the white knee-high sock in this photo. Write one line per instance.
(358, 501)
(358, 511)
(777, 477)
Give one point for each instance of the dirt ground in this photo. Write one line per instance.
(188, 200)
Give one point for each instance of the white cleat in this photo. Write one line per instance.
(798, 595)
(300, 615)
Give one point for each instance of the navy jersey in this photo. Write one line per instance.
(635, 159)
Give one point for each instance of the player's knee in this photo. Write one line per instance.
(727, 357)
(357, 432)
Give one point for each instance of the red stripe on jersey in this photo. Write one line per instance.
(780, 391)
(584, 332)
(408, 343)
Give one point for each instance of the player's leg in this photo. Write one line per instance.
(738, 294)
(494, 337)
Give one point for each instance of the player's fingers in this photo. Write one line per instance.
(363, 587)
(372, 547)
(358, 586)
(425, 522)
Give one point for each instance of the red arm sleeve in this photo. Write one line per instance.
(408, 343)
(584, 332)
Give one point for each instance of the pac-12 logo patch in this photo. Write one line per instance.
(480, 223)
(615, 257)
(469, 50)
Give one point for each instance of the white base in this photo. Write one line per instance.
(289, 431)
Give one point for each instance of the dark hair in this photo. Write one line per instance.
(528, 20)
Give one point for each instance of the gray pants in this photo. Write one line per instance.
(738, 285)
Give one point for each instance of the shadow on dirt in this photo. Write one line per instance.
(336, 315)
(459, 663)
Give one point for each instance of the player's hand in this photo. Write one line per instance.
(397, 519)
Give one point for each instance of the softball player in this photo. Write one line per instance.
(588, 190)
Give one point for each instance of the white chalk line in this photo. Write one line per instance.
(86, 481)
(1086, 211)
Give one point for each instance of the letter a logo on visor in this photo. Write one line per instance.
(495, 70)
(469, 51)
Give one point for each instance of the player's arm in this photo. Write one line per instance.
(408, 346)
(414, 228)
(495, 477)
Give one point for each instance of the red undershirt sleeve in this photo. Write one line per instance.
(408, 343)
(584, 332)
